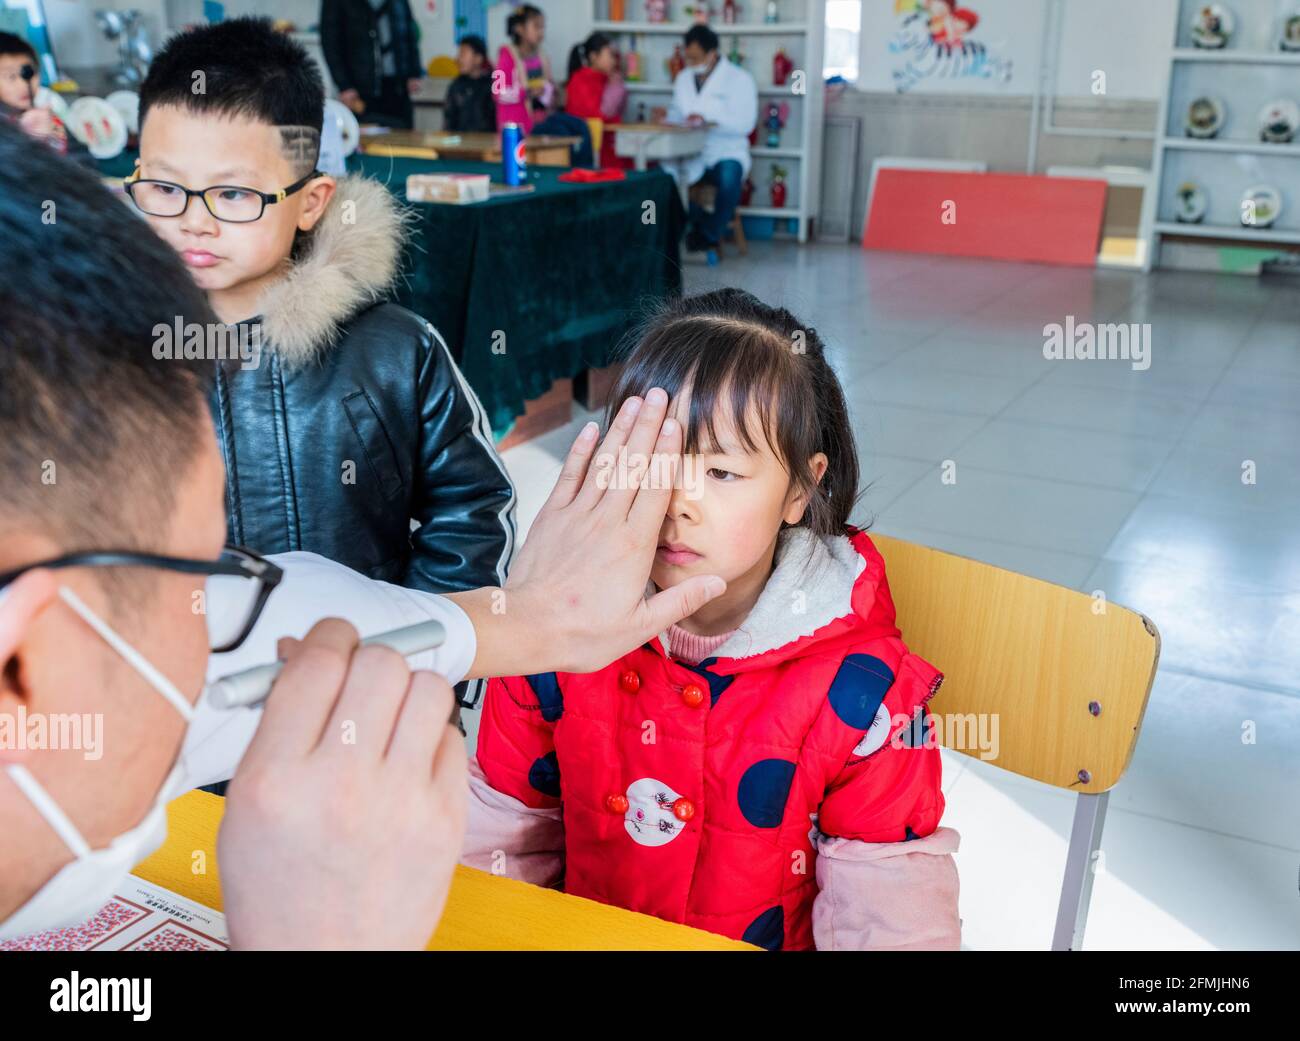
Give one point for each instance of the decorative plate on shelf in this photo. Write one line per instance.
(1190, 203)
(1278, 121)
(98, 126)
(46, 98)
(1212, 26)
(1204, 117)
(1290, 37)
(127, 103)
(349, 129)
(1260, 206)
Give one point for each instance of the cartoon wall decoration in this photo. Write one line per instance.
(934, 39)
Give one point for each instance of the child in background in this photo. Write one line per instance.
(527, 94)
(349, 420)
(19, 80)
(595, 91)
(680, 781)
(469, 106)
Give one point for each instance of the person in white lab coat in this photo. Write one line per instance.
(117, 599)
(713, 90)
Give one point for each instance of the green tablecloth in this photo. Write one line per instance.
(531, 288)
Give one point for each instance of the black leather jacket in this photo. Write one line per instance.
(355, 422)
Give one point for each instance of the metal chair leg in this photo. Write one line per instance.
(1076, 890)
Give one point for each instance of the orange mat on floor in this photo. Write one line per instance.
(1056, 220)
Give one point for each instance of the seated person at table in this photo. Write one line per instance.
(713, 90)
(469, 106)
(595, 91)
(342, 417)
(527, 94)
(679, 781)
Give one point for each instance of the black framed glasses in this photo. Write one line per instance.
(239, 581)
(231, 203)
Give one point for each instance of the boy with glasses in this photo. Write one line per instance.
(354, 421)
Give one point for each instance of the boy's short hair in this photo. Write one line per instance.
(13, 44)
(476, 44)
(97, 432)
(248, 69)
(704, 36)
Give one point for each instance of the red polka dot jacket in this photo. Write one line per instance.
(784, 791)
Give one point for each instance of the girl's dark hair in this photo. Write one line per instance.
(736, 355)
(583, 52)
(518, 18)
(476, 44)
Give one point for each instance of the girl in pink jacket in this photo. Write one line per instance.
(767, 768)
(523, 86)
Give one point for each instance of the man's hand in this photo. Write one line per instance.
(658, 114)
(353, 100)
(575, 599)
(414, 85)
(346, 816)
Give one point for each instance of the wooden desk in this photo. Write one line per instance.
(484, 912)
(543, 149)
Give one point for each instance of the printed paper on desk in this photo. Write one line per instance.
(140, 917)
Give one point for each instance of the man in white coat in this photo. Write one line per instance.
(713, 90)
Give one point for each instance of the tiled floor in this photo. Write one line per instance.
(1095, 476)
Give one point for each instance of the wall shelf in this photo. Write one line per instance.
(721, 28)
(1266, 236)
(801, 140)
(1245, 79)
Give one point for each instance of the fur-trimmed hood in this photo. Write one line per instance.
(821, 588)
(348, 262)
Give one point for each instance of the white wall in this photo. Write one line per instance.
(1127, 39)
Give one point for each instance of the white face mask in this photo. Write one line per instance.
(83, 886)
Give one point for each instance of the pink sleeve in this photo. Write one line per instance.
(887, 896)
(505, 837)
(613, 98)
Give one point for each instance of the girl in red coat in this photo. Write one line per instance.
(766, 769)
(595, 90)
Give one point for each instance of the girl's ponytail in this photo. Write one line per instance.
(577, 58)
(582, 53)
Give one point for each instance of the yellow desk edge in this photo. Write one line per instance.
(484, 912)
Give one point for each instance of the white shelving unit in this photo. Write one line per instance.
(1247, 74)
(800, 33)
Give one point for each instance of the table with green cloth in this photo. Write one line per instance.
(537, 286)
(532, 287)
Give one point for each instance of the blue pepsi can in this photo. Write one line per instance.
(514, 154)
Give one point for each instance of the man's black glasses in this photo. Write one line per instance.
(239, 581)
